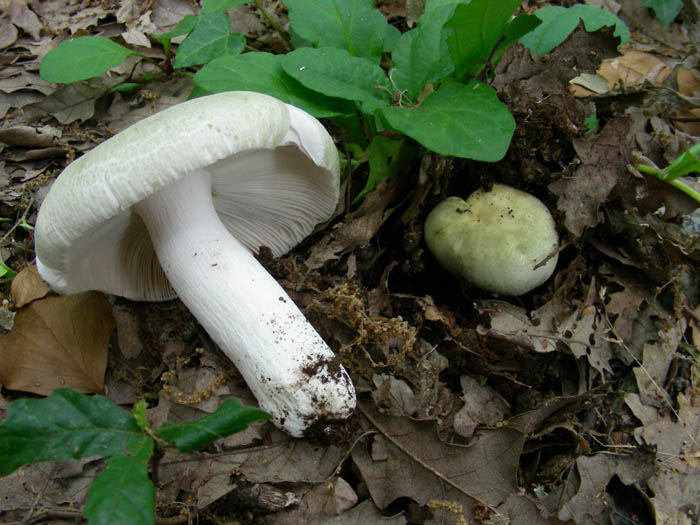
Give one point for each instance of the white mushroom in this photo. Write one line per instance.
(503, 240)
(174, 206)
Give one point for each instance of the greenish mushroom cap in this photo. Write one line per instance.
(503, 240)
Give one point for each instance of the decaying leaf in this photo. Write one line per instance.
(591, 503)
(28, 286)
(604, 157)
(482, 405)
(358, 227)
(58, 342)
(485, 471)
(581, 328)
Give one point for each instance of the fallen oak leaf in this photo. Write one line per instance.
(27, 286)
(58, 342)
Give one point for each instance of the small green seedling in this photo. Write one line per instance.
(687, 162)
(69, 424)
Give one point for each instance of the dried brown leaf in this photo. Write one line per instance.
(58, 342)
(429, 469)
(358, 228)
(24, 18)
(365, 513)
(603, 158)
(29, 136)
(319, 505)
(482, 405)
(28, 286)
(633, 67)
(591, 503)
(8, 33)
(74, 15)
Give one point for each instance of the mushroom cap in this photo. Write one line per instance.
(503, 240)
(275, 174)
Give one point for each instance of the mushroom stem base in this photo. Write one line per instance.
(287, 365)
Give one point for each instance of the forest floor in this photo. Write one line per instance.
(576, 403)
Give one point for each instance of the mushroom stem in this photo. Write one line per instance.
(286, 363)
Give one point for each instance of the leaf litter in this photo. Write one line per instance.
(578, 402)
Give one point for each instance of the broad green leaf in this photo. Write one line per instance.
(439, 13)
(123, 492)
(665, 10)
(199, 91)
(559, 22)
(387, 158)
(462, 120)
(82, 58)
(391, 38)
(229, 418)
(67, 424)
(217, 6)
(420, 57)
(184, 26)
(262, 72)
(431, 5)
(336, 73)
(474, 31)
(354, 25)
(514, 31)
(211, 38)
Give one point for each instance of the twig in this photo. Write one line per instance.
(21, 220)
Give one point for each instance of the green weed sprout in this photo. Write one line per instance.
(685, 163)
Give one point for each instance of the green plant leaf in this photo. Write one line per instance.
(559, 22)
(139, 413)
(462, 120)
(591, 123)
(6, 273)
(184, 26)
(210, 38)
(336, 73)
(81, 58)
(216, 6)
(517, 28)
(420, 57)
(262, 72)
(388, 157)
(123, 492)
(474, 31)
(665, 10)
(354, 25)
(126, 86)
(67, 424)
(430, 5)
(229, 418)
(685, 163)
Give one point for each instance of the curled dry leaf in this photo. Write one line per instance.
(28, 286)
(58, 342)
